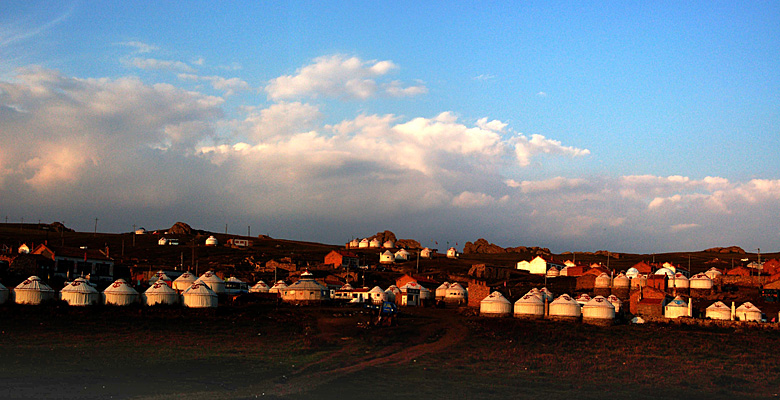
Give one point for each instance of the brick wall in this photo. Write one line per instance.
(478, 290)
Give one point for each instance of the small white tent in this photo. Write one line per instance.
(700, 282)
(456, 294)
(215, 283)
(441, 291)
(676, 308)
(616, 302)
(278, 287)
(160, 293)
(80, 293)
(33, 291)
(184, 281)
(621, 281)
(259, 287)
(565, 307)
(495, 305)
(598, 308)
(120, 293)
(748, 312)
(199, 295)
(603, 281)
(377, 295)
(718, 310)
(529, 306)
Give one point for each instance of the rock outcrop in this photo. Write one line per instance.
(482, 246)
(726, 250)
(489, 273)
(180, 228)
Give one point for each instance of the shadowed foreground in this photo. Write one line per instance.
(284, 352)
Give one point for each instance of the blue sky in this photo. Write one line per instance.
(636, 126)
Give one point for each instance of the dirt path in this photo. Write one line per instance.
(435, 336)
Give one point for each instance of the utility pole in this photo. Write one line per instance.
(96, 220)
(248, 230)
(225, 229)
(133, 235)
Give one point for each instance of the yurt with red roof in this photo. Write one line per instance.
(748, 312)
(33, 291)
(529, 306)
(80, 293)
(565, 307)
(184, 281)
(259, 287)
(120, 293)
(495, 305)
(199, 295)
(677, 308)
(215, 283)
(598, 310)
(160, 293)
(718, 310)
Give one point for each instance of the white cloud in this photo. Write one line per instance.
(228, 85)
(339, 76)
(484, 77)
(160, 65)
(525, 149)
(542, 94)
(140, 47)
(471, 200)
(550, 185)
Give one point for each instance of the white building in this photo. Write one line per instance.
(538, 266)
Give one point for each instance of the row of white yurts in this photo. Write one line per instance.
(80, 292)
(532, 305)
(452, 293)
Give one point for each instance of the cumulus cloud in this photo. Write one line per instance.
(342, 77)
(526, 148)
(682, 227)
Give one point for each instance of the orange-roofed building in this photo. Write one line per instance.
(425, 282)
(740, 271)
(643, 268)
(342, 259)
(772, 266)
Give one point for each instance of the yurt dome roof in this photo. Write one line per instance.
(718, 305)
(234, 280)
(186, 277)
(598, 302)
(677, 302)
(529, 299)
(445, 285)
(664, 271)
(120, 286)
(79, 285)
(34, 283)
(159, 288)
(680, 276)
(748, 307)
(210, 276)
(496, 297)
(199, 289)
(376, 289)
(347, 286)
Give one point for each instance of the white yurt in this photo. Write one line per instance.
(426, 253)
(700, 282)
(160, 293)
(388, 244)
(410, 298)
(377, 295)
(80, 293)
(160, 275)
(33, 291)
(259, 287)
(215, 283)
(529, 306)
(452, 253)
(680, 281)
(4, 294)
(425, 294)
(536, 292)
(306, 289)
(441, 291)
(278, 287)
(718, 310)
(211, 241)
(184, 281)
(347, 287)
(676, 308)
(456, 294)
(598, 309)
(163, 241)
(199, 295)
(603, 281)
(632, 273)
(396, 291)
(565, 307)
(639, 281)
(354, 244)
(495, 305)
(375, 243)
(120, 293)
(665, 271)
(583, 299)
(402, 255)
(616, 302)
(387, 257)
(622, 281)
(748, 312)
(713, 273)
(363, 244)
(390, 295)
(553, 272)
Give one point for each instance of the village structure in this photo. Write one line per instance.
(390, 274)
